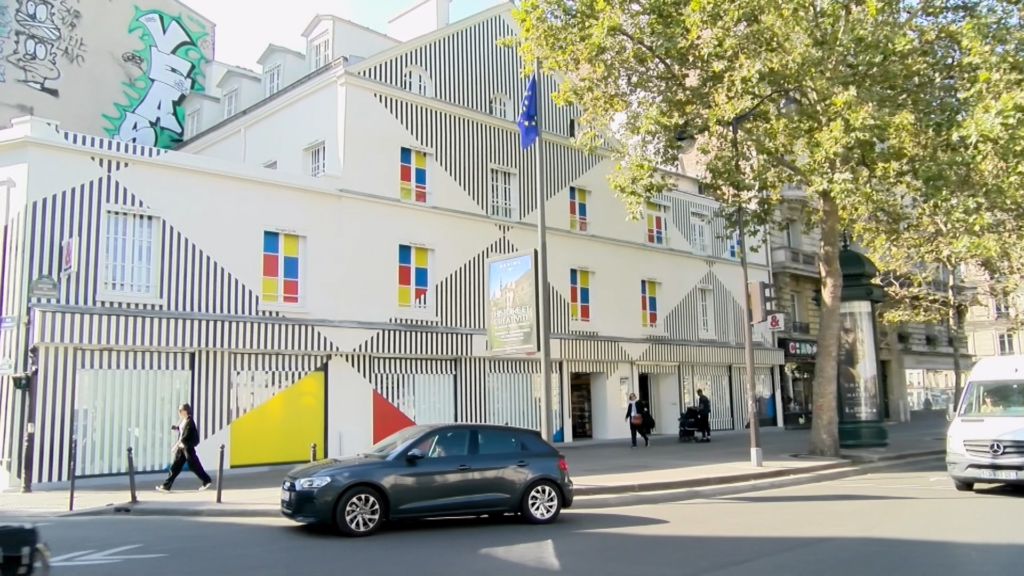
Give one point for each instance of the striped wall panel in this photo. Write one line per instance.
(211, 390)
(682, 323)
(590, 367)
(647, 368)
(495, 71)
(763, 385)
(467, 149)
(471, 390)
(94, 329)
(598, 350)
(719, 233)
(110, 145)
(716, 383)
(11, 299)
(408, 343)
(411, 366)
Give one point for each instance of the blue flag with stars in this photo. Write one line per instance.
(529, 131)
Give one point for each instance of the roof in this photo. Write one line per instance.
(275, 48)
(247, 75)
(321, 17)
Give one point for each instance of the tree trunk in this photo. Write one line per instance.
(825, 420)
(956, 316)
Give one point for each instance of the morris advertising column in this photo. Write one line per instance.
(859, 399)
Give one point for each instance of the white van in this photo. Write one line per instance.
(985, 442)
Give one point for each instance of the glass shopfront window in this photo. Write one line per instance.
(798, 383)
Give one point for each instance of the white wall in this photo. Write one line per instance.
(420, 19)
(606, 397)
(665, 389)
(292, 68)
(351, 39)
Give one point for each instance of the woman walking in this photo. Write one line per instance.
(185, 451)
(638, 415)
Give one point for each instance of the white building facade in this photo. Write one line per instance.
(310, 270)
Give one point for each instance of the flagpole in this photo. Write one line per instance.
(544, 304)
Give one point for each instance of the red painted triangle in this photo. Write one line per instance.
(387, 418)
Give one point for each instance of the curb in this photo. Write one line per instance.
(719, 490)
(599, 497)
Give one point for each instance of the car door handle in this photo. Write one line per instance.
(522, 463)
(463, 466)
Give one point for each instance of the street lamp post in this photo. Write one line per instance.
(787, 106)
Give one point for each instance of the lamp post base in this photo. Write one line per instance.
(863, 435)
(756, 457)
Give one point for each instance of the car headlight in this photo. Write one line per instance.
(955, 445)
(312, 483)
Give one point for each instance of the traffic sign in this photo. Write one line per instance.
(776, 322)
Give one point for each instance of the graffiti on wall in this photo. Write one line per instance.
(45, 38)
(170, 62)
(5, 34)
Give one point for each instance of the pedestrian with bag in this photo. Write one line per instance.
(185, 451)
(704, 409)
(639, 417)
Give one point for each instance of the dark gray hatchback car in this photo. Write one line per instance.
(431, 471)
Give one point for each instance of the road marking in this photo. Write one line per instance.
(533, 554)
(88, 557)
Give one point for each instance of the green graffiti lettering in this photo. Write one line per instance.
(171, 64)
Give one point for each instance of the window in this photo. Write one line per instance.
(649, 303)
(192, 123)
(1001, 308)
(504, 199)
(498, 442)
(282, 256)
(131, 255)
(230, 103)
(578, 209)
(321, 50)
(414, 277)
(572, 128)
(794, 307)
(579, 294)
(317, 156)
(706, 309)
(272, 165)
(416, 81)
(272, 80)
(734, 245)
(413, 185)
(793, 235)
(445, 443)
(500, 107)
(656, 224)
(1007, 344)
(699, 232)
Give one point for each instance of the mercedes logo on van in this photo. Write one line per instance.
(996, 449)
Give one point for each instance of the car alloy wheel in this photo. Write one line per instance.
(542, 503)
(360, 512)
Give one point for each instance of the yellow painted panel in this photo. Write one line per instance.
(270, 289)
(404, 296)
(291, 245)
(421, 257)
(581, 195)
(584, 278)
(421, 159)
(652, 288)
(574, 310)
(280, 430)
(406, 191)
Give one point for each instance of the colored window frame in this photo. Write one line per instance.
(578, 208)
(579, 294)
(413, 175)
(656, 224)
(649, 304)
(414, 277)
(282, 268)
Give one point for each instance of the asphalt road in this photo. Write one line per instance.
(907, 521)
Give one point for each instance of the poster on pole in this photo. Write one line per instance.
(512, 316)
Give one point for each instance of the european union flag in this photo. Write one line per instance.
(529, 131)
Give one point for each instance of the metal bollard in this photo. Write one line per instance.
(312, 452)
(220, 473)
(71, 467)
(131, 475)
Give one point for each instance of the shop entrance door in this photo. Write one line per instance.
(581, 405)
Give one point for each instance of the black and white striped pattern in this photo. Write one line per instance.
(495, 70)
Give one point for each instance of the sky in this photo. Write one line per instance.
(243, 33)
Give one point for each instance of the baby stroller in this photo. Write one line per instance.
(689, 425)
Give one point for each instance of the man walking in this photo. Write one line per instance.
(704, 408)
(185, 451)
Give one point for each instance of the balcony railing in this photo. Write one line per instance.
(800, 328)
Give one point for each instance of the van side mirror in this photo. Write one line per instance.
(950, 411)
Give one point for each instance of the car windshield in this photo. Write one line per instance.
(994, 399)
(388, 445)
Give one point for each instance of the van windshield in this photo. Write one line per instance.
(993, 399)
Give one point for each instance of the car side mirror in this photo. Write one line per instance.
(950, 412)
(415, 454)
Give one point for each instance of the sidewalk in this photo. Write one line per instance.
(598, 468)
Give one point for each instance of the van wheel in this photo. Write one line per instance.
(360, 512)
(542, 503)
(963, 486)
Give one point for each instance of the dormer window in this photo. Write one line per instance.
(416, 80)
(272, 79)
(500, 107)
(321, 50)
(230, 102)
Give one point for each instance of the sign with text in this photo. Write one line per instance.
(776, 322)
(513, 325)
(44, 287)
(858, 364)
(798, 348)
(68, 256)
